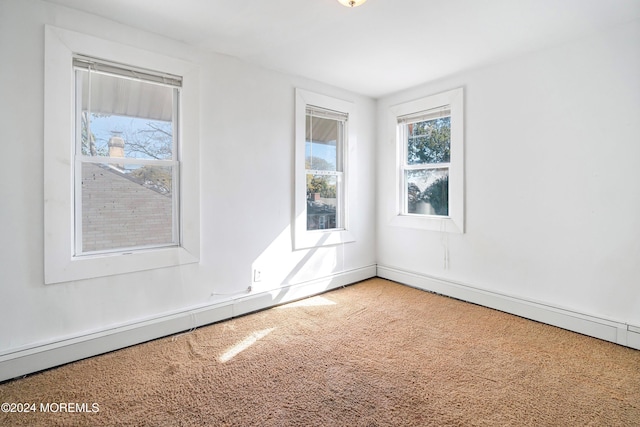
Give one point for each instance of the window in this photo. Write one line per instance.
(426, 147)
(324, 136)
(121, 158)
(430, 162)
(126, 163)
(324, 155)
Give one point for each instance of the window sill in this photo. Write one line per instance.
(317, 238)
(66, 269)
(433, 223)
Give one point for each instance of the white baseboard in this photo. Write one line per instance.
(19, 362)
(605, 329)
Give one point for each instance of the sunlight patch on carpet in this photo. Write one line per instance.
(244, 344)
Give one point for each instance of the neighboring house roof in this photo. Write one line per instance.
(321, 206)
(155, 186)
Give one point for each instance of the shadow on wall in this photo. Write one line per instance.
(307, 264)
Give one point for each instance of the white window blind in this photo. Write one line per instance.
(324, 113)
(422, 116)
(121, 70)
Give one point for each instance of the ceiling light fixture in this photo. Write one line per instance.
(351, 3)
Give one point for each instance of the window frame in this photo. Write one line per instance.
(95, 65)
(60, 262)
(338, 174)
(403, 123)
(304, 238)
(452, 100)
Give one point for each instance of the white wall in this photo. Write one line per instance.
(552, 180)
(246, 143)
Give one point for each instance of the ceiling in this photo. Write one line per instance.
(378, 48)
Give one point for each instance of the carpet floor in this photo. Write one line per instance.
(372, 354)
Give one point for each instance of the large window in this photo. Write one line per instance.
(324, 137)
(430, 161)
(126, 163)
(121, 158)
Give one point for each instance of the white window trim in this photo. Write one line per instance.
(304, 238)
(454, 222)
(60, 265)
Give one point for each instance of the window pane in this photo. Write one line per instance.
(322, 202)
(125, 207)
(429, 141)
(427, 191)
(322, 144)
(125, 118)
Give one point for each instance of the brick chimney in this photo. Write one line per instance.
(116, 146)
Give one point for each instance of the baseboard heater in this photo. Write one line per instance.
(594, 326)
(18, 362)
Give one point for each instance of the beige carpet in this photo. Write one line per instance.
(372, 354)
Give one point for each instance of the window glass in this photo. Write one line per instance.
(429, 141)
(139, 112)
(324, 136)
(427, 191)
(322, 191)
(321, 144)
(427, 152)
(126, 163)
(124, 208)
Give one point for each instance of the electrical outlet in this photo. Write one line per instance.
(257, 275)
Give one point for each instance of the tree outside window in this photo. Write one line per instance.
(427, 145)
